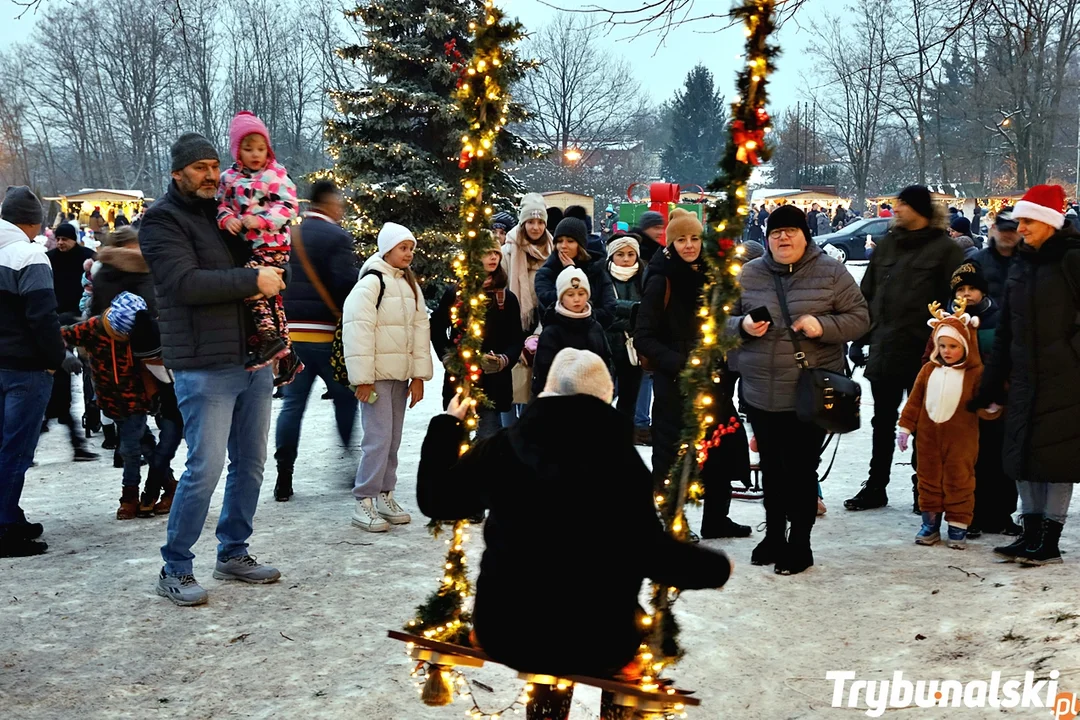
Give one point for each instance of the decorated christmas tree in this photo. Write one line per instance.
(397, 143)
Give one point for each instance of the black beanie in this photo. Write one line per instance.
(574, 229)
(787, 216)
(21, 206)
(917, 198)
(961, 225)
(191, 148)
(650, 218)
(970, 274)
(66, 230)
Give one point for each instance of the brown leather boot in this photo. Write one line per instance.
(129, 503)
(149, 497)
(168, 490)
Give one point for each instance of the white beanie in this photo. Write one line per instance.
(392, 234)
(532, 206)
(569, 278)
(623, 241)
(579, 372)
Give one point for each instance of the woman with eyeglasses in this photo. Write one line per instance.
(827, 310)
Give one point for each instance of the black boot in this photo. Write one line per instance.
(111, 442)
(283, 487)
(1030, 540)
(15, 543)
(869, 498)
(1047, 552)
(798, 556)
(78, 443)
(774, 546)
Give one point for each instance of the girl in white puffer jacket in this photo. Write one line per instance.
(387, 343)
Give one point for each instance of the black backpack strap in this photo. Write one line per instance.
(382, 284)
(800, 356)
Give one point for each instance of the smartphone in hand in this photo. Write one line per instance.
(761, 314)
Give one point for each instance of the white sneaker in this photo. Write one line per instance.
(366, 518)
(390, 511)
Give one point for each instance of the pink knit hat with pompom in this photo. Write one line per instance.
(247, 123)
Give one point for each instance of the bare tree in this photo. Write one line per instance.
(570, 99)
(853, 62)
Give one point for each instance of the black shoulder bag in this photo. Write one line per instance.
(827, 398)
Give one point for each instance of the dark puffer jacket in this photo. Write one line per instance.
(123, 269)
(502, 336)
(816, 285)
(521, 475)
(628, 296)
(1035, 369)
(601, 292)
(68, 271)
(331, 251)
(562, 332)
(908, 271)
(666, 333)
(995, 267)
(200, 283)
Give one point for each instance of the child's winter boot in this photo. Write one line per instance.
(168, 490)
(151, 491)
(930, 532)
(957, 537)
(129, 503)
(112, 441)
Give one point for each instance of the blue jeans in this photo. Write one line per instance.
(131, 431)
(1049, 499)
(225, 410)
(23, 397)
(644, 402)
(316, 359)
(170, 433)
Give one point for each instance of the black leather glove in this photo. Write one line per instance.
(71, 365)
(857, 355)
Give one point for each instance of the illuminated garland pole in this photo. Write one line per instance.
(724, 220)
(485, 103)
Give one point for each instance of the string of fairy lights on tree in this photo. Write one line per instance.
(485, 102)
(700, 381)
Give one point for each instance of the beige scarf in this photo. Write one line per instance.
(524, 262)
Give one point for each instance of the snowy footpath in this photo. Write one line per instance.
(82, 633)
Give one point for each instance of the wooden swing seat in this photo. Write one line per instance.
(626, 694)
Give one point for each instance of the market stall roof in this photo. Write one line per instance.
(102, 195)
(795, 195)
(563, 199)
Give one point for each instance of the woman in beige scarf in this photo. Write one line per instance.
(527, 248)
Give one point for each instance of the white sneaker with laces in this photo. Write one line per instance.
(390, 511)
(366, 517)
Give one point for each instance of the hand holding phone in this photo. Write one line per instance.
(761, 314)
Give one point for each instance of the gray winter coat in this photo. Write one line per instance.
(816, 285)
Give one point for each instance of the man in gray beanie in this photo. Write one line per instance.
(650, 228)
(22, 208)
(201, 283)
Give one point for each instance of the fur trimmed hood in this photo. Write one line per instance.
(128, 259)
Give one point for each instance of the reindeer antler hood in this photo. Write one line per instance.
(959, 326)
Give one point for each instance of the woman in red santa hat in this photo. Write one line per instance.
(1035, 372)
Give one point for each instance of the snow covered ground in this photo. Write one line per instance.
(83, 634)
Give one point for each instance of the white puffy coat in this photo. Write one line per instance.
(392, 342)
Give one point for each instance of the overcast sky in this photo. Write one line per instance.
(660, 69)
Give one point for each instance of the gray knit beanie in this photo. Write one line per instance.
(21, 206)
(191, 148)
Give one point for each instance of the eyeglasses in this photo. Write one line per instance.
(783, 232)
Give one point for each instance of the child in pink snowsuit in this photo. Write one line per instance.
(258, 199)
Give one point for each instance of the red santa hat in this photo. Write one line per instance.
(1045, 203)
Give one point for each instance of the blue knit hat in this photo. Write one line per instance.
(122, 312)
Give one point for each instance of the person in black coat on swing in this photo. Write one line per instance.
(530, 568)
(668, 329)
(503, 342)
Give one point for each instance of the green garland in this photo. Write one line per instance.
(483, 96)
(724, 220)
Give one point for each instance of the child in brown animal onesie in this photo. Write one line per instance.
(946, 433)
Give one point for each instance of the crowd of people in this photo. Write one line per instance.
(218, 295)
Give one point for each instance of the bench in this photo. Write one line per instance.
(624, 701)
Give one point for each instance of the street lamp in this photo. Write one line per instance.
(572, 155)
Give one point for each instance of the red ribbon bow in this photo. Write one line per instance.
(748, 142)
